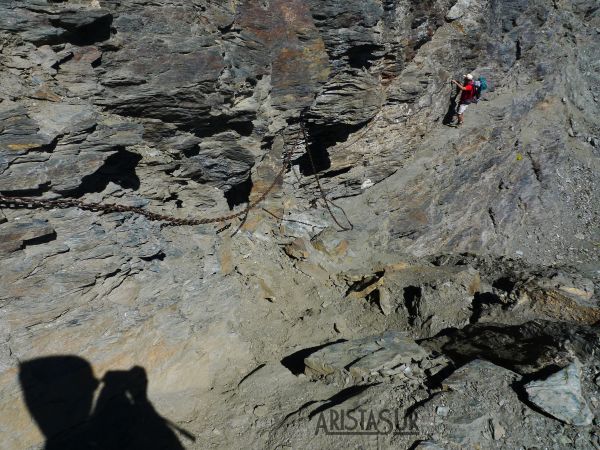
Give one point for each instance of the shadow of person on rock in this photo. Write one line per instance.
(451, 113)
(59, 393)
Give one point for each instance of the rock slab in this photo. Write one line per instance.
(560, 396)
(384, 354)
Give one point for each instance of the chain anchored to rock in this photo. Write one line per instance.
(33, 203)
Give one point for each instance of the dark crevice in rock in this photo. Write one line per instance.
(418, 21)
(480, 301)
(239, 193)
(541, 374)
(48, 148)
(220, 124)
(191, 151)
(451, 112)
(412, 295)
(159, 256)
(97, 30)
(29, 192)
(174, 198)
(118, 168)
(40, 240)
(435, 381)
(363, 56)
(226, 29)
(493, 218)
(532, 348)
(365, 283)
(335, 173)
(320, 138)
(590, 11)
(373, 298)
(242, 128)
(113, 274)
(340, 397)
(96, 63)
(535, 166)
(253, 371)
(295, 362)
(320, 160)
(420, 42)
(505, 284)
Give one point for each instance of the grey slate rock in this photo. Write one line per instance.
(14, 234)
(459, 9)
(375, 355)
(560, 395)
(76, 19)
(466, 377)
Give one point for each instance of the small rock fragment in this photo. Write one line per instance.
(297, 249)
(442, 411)
(330, 243)
(498, 431)
(459, 9)
(366, 184)
(260, 410)
(385, 303)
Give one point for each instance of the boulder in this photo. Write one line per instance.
(386, 354)
(560, 395)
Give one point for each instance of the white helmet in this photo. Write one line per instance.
(469, 76)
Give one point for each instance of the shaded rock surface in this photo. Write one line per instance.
(15, 234)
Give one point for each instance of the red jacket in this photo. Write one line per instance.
(468, 94)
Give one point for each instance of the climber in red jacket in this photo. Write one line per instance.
(467, 96)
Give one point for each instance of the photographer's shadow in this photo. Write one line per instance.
(59, 393)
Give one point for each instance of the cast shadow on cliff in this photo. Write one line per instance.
(119, 168)
(319, 138)
(451, 112)
(59, 393)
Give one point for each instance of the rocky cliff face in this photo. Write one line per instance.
(471, 254)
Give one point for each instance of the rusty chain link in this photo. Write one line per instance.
(33, 203)
(320, 186)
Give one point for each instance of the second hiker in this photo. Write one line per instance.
(467, 96)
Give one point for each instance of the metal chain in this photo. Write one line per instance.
(32, 203)
(318, 180)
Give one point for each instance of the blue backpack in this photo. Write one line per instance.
(484, 84)
(480, 87)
